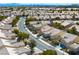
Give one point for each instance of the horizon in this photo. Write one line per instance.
(44, 3)
(39, 4)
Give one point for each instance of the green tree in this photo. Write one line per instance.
(2, 17)
(57, 18)
(60, 11)
(22, 36)
(14, 22)
(72, 9)
(73, 17)
(77, 23)
(30, 18)
(61, 27)
(26, 22)
(72, 30)
(58, 25)
(49, 52)
(11, 8)
(16, 31)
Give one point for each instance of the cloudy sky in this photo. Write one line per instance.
(39, 1)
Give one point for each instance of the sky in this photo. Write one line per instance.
(39, 1)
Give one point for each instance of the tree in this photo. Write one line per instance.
(57, 18)
(73, 17)
(77, 23)
(49, 52)
(14, 22)
(58, 25)
(16, 31)
(11, 8)
(72, 10)
(32, 45)
(61, 27)
(31, 18)
(52, 11)
(2, 17)
(72, 30)
(22, 36)
(60, 11)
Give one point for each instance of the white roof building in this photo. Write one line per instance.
(67, 37)
(74, 47)
(67, 22)
(77, 28)
(50, 30)
(1, 24)
(2, 35)
(45, 28)
(54, 31)
(58, 21)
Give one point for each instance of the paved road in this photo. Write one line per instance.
(22, 28)
(40, 43)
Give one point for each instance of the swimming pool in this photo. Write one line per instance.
(60, 46)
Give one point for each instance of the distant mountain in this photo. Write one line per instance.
(40, 5)
(10, 4)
